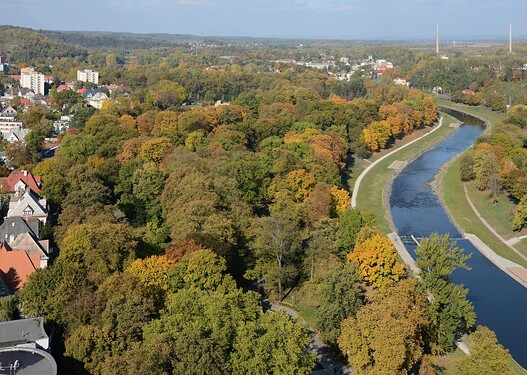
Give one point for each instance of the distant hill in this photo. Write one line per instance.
(20, 44)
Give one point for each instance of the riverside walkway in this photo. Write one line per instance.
(356, 186)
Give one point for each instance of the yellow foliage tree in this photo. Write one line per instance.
(128, 122)
(376, 135)
(377, 260)
(341, 199)
(300, 183)
(152, 271)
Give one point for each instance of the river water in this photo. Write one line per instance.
(499, 301)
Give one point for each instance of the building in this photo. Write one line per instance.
(19, 180)
(32, 80)
(97, 99)
(23, 345)
(88, 75)
(4, 66)
(28, 205)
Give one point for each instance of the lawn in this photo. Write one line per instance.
(373, 189)
(457, 204)
(481, 112)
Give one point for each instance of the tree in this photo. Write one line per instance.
(487, 356)
(338, 296)
(387, 335)
(351, 221)
(376, 135)
(466, 168)
(377, 261)
(276, 243)
(274, 344)
(102, 249)
(430, 110)
(520, 216)
(9, 308)
(168, 94)
(18, 155)
(454, 315)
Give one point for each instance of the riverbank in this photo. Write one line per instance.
(458, 203)
(371, 188)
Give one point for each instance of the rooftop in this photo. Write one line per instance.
(26, 361)
(23, 331)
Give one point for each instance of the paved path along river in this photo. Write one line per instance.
(500, 302)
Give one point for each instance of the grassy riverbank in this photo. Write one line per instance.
(480, 112)
(498, 215)
(454, 198)
(373, 189)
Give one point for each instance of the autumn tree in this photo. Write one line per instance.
(376, 135)
(387, 334)
(377, 261)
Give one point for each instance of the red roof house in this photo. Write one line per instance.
(16, 265)
(19, 180)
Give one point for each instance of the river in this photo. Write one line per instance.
(499, 301)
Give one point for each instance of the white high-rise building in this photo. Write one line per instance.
(88, 75)
(32, 80)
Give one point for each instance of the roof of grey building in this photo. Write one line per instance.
(26, 361)
(22, 331)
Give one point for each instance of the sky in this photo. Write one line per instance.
(319, 19)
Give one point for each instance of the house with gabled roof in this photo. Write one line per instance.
(9, 111)
(19, 180)
(14, 226)
(28, 205)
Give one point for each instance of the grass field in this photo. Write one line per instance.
(374, 184)
(458, 206)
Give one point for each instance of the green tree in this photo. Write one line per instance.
(520, 216)
(274, 344)
(276, 245)
(438, 257)
(350, 224)
(487, 356)
(9, 308)
(338, 296)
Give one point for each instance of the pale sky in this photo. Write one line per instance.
(346, 19)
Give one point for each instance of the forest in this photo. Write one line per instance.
(196, 196)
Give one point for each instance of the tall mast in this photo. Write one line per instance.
(437, 39)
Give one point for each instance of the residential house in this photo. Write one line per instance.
(16, 265)
(19, 180)
(400, 81)
(24, 331)
(9, 111)
(14, 226)
(28, 205)
(17, 134)
(62, 125)
(97, 100)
